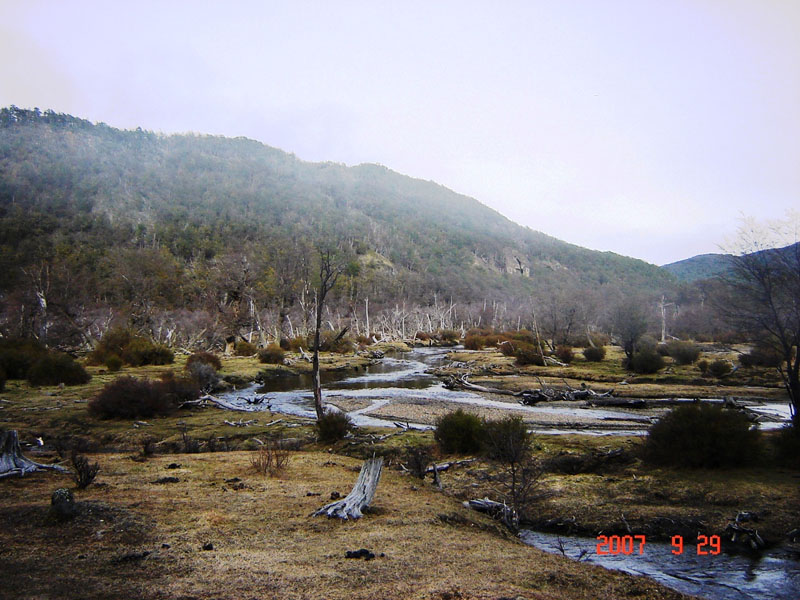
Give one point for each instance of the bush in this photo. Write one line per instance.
(203, 375)
(564, 354)
(55, 368)
(133, 349)
(507, 440)
(646, 361)
(206, 358)
(17, 356)
(662, 350)
(113, 363)
(596, 354)
(298, 342)
(474, 342)
(333, 425)
(459, 432)
(683, 353)
(702, 435)
(417, 459)
(528, 355)
(761, 357)
(449, 336)
(719, 368)
(272, 354)
(244, 349)
(178, 389)
(507, 348)
(331, 342)
(131, 398)
(703, 365)
(83, 472)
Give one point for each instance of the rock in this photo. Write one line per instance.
(174, 466)
(208, 546)
(167, 480)
(335, 495)
(362, 553)
(165, 546)
(62, 504)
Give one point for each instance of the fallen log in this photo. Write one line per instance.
(359, 498)
(446, 466)
(496, 510)
(222, 403)
(240, 423)
(13, 463)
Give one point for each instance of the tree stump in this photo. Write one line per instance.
(352, 505)
(13, 463)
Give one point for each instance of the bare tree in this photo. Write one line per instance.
(329, 273)
(763, 282)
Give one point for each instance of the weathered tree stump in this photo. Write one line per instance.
(352, 505)
(13, 463)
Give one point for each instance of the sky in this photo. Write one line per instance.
(643, 127)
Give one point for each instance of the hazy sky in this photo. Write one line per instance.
(646, 127)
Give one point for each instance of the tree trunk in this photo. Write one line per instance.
(352, 505)
(13, 463)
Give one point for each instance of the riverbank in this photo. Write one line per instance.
(137, 537)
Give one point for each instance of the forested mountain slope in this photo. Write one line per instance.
(143, 221)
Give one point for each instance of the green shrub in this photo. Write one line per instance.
(719, 368)
(761, 357)
(702, 435)
(683, 353)
(18, 355)
(178, 389)
(474, 342)
(662, 350)
(703, 365)
(203, 375)
(507, 348)
(134, 350)
(564, 354)
(417, 458)
(131, 398)
(55, 368)
(459, 432)
(113, 363)
(596, 354)
(204, 358)
(333, 425)
(331, 342)
(243, 348)
(507, 440)
(298, 342)
(528, 355)
(449, 336)
(646, 361)
(272, 354)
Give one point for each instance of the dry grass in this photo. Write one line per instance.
(265, 544)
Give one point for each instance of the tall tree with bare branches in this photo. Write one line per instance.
(329, 272)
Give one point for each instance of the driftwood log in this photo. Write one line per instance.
(359, 498)
(545, 393)
(13, 463)
(496, 510)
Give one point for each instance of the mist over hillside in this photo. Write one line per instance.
(147, 222)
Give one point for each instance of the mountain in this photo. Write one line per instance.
(702, 266)
(143, 220)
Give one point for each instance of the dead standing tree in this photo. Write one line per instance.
(328, 275)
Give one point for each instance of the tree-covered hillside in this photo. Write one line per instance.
(93, 218)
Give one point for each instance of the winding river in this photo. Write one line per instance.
(406, 378)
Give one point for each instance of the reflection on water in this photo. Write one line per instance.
(775, 576)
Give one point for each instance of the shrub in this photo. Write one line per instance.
(272, 354)
(702, 435)
(761, 357)
(417, 459)
(113, 363)
(298, 342)
(683, 353)
(459, 432)
(449, 335)
(528, 355)
(703, 365)
(646, 361)
(507, 348)
(206, 358)
(596, 354)
(131, 398)
(331, 342)
(333, 425)
(719, 368)
(270, 459)
(17, 356)
(83, 472)
(284, 343)
(474, 342)
(564, 354)
(133, 349)
(178, 389)
(203, 375)
(243, 348)
(507, 440)
(55, 368)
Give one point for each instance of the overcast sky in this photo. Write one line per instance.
(644, 127)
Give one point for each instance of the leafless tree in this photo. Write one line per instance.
(329, 272)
